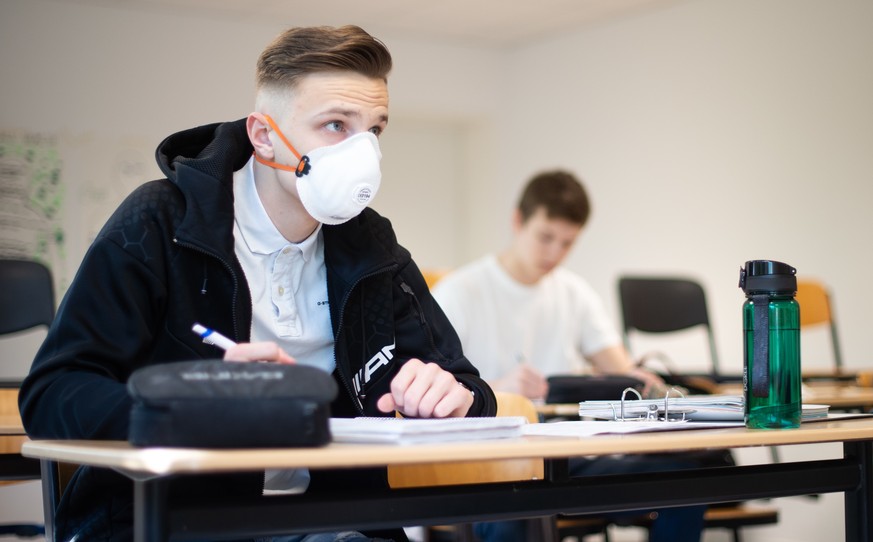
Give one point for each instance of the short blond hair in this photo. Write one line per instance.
(306, 50)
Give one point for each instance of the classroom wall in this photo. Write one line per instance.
(708, 133)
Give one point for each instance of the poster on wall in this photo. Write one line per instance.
(31, 199)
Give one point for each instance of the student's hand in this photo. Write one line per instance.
(526, 380)
(425, 390)
(653, 385)
(261, 351)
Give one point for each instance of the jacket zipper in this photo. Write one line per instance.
(229, 270)
(422, 320)
(232, 308)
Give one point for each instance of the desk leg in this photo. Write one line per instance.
(150, 510)
(554, 470)
(859, 502)
(557, 470)
(50, 495)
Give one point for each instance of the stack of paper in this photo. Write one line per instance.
(814, 412)
(415, 431)
(694, 408)
(700, 407)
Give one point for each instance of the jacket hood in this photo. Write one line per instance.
(213, 149)
(200, 162)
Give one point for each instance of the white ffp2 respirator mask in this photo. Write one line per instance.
(335, 183)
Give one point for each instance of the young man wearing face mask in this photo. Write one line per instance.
(261, 232)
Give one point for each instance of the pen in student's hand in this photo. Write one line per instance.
(213, 337)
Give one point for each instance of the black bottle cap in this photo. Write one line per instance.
(768, 277)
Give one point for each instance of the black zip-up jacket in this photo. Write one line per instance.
(164, 260)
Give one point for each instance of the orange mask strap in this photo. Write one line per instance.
(303, 166)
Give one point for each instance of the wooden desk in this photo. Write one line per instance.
(840, 396)
(11, 425)
(12, 465)
(12, 434)
(151, 469)
(832, 375)
(10, 420)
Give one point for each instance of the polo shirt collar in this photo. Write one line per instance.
(258, 231)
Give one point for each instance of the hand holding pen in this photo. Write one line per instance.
(524, 379)
(259, 351)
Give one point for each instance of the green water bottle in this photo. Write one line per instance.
(771, 350)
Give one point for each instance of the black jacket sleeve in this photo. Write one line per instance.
(76, 386)
(442, 340)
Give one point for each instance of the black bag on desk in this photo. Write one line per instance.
(217, 404)
(576, 388)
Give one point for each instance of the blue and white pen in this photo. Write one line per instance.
(213, 337)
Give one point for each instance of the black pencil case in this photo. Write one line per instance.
(218, 404)
(576, 388)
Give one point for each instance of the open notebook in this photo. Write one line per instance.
(415, 431)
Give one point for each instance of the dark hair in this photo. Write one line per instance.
(306, 50)
(561, 195)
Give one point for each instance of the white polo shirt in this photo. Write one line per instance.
(288, 284)
(288, 281)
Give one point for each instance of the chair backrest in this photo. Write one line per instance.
(662, 305)
(473, 472)
(26, 296)
(432, 276)
(514, 404)
(815, 304)
(815, 309)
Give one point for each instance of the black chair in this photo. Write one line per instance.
(26, 302)
(27, 297)
(663, 305)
